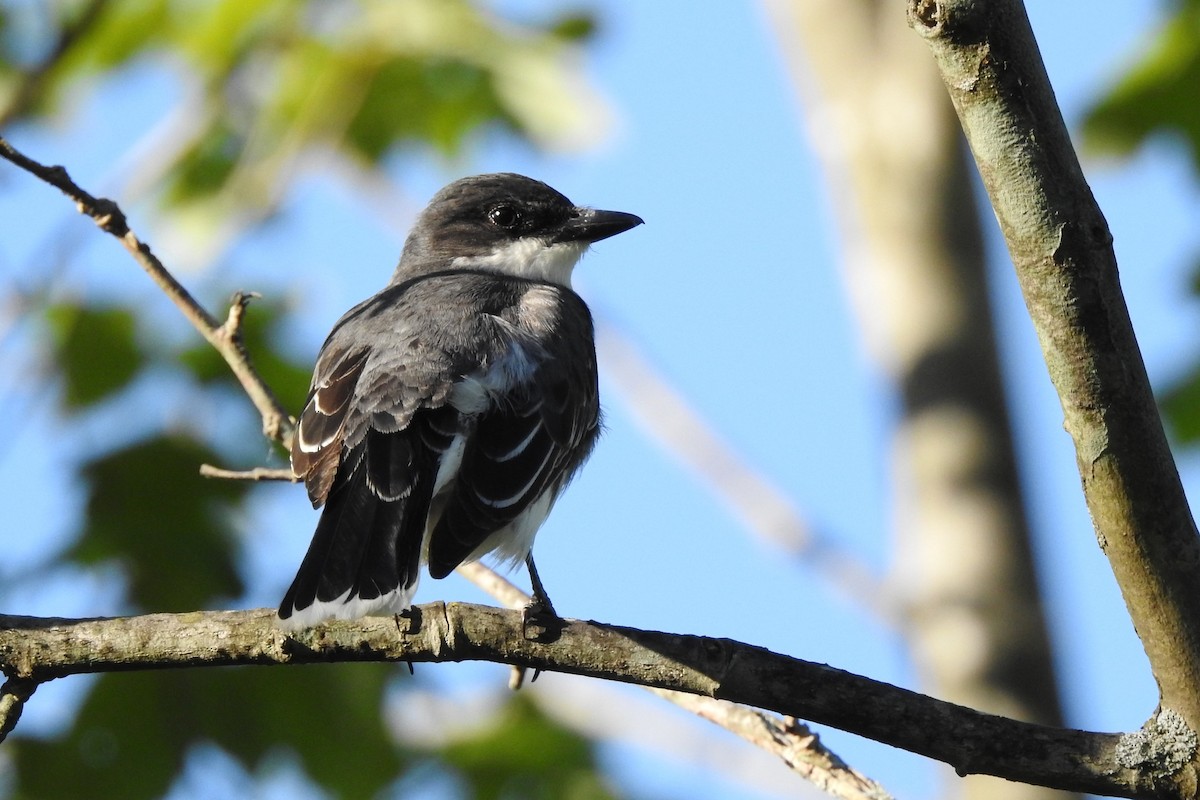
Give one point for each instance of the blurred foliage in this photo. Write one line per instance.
(1180, 403)
(276, 79)
(264, 82)
(95, 349)
(523, 754)
(134, 731)
(1159, 97)
(150, 511)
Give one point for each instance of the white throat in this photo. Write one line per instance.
(531, 258)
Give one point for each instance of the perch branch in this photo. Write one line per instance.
(972, 742)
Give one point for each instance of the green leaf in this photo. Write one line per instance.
(331, 716)
(218, 34)
(134, 730)
(1157, 95)
(121, 745)
(150, 510)
(389, 75)
(95, 349)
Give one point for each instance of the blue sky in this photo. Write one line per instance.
(732, 289)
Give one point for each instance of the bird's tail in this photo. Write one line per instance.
(364, 558)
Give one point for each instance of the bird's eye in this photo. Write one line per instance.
(505, 217)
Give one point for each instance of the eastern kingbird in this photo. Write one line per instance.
(447, 412)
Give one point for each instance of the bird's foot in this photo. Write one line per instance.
(540, 622)
(408, 621)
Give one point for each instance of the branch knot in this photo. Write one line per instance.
(107, 215)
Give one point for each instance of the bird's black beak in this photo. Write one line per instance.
(592, 225)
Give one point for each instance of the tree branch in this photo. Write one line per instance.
(787, 738)
(226, 337)
(1062, 250)
(255, 474)
(37, 650)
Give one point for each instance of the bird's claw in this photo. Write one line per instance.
(540, 622)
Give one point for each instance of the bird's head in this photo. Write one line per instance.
(509, 224)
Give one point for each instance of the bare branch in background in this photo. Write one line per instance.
(787, 738)
(13, 695)
(798, 747)
(667, 418)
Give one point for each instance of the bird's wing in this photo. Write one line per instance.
(525, 444)
(377, 369)
(317, 445)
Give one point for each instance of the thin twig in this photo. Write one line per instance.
(277, 424)
(787, 738)
(256, 474)
(799, 748)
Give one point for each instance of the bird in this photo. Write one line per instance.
(447, 413)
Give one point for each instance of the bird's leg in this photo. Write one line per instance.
(539, 614)
(412, 618)
(541, 600)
